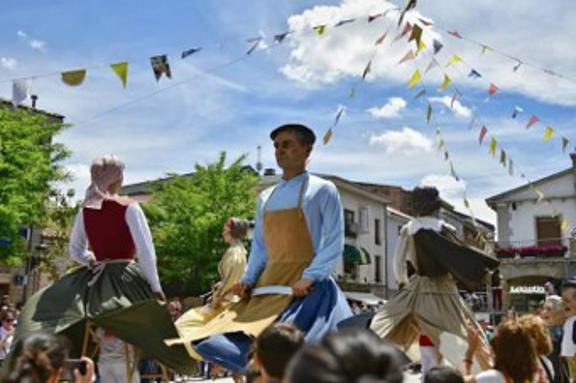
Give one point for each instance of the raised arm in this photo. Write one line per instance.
(145, 252)
(400, 257)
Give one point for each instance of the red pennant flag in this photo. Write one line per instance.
(381, 39)
(407, 29)
(492, 89)
(533, 119)
(455, 34)
(483, 132)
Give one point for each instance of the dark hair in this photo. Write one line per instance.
(252, 372)
(443, 374)
(305, 135)
(238, 227)
(348, 356)
(35, 358)
(276, 346)
(425, 200)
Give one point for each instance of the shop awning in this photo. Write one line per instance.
(359, 255)
(367, 298)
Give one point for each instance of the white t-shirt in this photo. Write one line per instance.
(568, 348)
(490, 376)
(5, 335)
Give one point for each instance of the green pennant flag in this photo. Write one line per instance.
(74, 77)
(320, 29)
(565, 143)
(429, 113)
(503, 157)
(493, 146)
(121, 70)
(416, 35)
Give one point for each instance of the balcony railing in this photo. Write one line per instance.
(544, 248)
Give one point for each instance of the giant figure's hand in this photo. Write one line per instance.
(302, 287)
(243, 290)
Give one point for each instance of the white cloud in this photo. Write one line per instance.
(8, 62)
(344, 51)
(405, 141)
(448, 187)
(457, 108)
(22, 34)
(34, 43)
(389, 110)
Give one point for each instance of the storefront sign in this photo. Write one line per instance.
(527, 290)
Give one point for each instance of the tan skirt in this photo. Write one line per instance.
(426, 305)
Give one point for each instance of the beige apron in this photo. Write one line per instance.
(290, 251)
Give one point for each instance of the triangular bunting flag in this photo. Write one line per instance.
(446, 155)
(548, 133)
(502, 157)
(160, 66)
(320, 29)
(374, 17)
(483, 132)
(466, 203)
(453, 172)
(416, 35)
(517, 66)
(455, 34)
(121, 70)
(74, 77)
(510, 168)
(565, 142)
(531, 121)
(327, 136)
(190, 52)
(565, 225)
(280, 37)
(255, 41)
(433, 63)
(453, 60)
(352, 93)
(415, 79)
(421, 47)
(516, 111)
(405, 31)
(492, 89)
(20, 91)
(440, 144)
(407, 57)
(367, 69)
(429, 113)
(341, 110)
(485, 48)
(420, 94)
(446, 83)
(425, 22)
(437, 46)
(474, 74)
(381, 39)
(342, 22)
(493, 146)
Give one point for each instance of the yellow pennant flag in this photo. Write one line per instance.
(327, 136)
(485, 48)
(453, 60)
(493, 146)
(565, 226)
(446, 83)
(74, 77)
(421, 47)
(121, 70)
(415, 79)
(548, 133)
(320, 29)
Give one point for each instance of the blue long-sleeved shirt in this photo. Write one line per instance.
(324, 215)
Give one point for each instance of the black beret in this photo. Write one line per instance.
(305, 132)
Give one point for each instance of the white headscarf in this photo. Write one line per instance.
(104, 172)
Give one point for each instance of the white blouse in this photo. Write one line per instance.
(136, 221)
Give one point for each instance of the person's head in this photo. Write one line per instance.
(36, 358)
(253, 374)
(175, 308)
(510, 337)
(553, 311)
(275, 347)
(426, 201)
(347, 356)
(8, 319)
(293, 144)
(443, 374)
(107, 175)
(538, 331)
(569, 296)
(235, 229)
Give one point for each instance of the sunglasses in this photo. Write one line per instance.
(8, 320)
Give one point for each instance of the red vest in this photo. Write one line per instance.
(107, 231)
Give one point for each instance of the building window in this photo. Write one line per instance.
(351, 270)
(350, 227)
(377, 236)
(377, 268)
(363, 220)
(548, 230)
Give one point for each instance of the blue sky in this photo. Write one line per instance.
(383, 137)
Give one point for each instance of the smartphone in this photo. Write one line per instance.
(68, 369)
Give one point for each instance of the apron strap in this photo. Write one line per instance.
(303, 188)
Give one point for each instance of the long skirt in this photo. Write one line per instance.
(114, 296)
(315, 314)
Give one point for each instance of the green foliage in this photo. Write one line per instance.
(28, 165)
(187, 215)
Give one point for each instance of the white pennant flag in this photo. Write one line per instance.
(19, 91)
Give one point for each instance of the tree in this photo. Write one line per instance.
(28, 167)
(186, 216)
